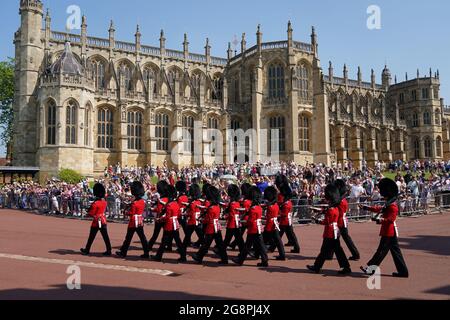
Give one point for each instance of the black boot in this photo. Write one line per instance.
(345, 271)
(84, 252)
(313, 268)
(263, 264)
(400, 275)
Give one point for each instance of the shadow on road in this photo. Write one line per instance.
(442, 290)
(432, 244)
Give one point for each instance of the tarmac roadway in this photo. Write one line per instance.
(37, 252)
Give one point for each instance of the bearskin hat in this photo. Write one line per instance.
(255, 195)
(270, 194)
(234, 192)
(137, 189)
(388, 188)
(171, 193)
(245, 189)
(161, 187)
(181, 186)
(332, 195)
(213, 195)
(340, 184)
(99, 191)
(281, 180)
(205, 189)
(194, 192)
(286, 191)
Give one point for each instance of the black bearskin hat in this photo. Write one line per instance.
(161, 187)
(213, 195)
(388, 188)
(281, 180)
(270, 194)
(245, 189)
(286, 191)
(171, 193)
(205, 189)
(234, 192)
(137, 189)
(332, 195)
(194, 192)
(99, 191)
(181, 187)
(255, 195)
(340, 184)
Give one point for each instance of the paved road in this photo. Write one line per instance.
(35, 252)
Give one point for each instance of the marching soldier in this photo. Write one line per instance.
(246, 203)
(331, 241)
(136, 224)
(171, 227)
(233, 217)
(193, 216)
(272, 229)
(254, 231)
(343, 221)
(212, 228)
(386, 217)
(182, 202)
(99, 223)
(158, 210)
(286, 220)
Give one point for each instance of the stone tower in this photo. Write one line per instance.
(29, 59)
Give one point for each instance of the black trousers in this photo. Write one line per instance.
(273, 239)
(168, 238)
(156, 231)
(129, 237)
(236, 233)
(217, 237)
(242, 230)
(330, 246)
(104, 231)
(256, 241)
(183, 223)
(290, 234)
(349, 242)
(389, 244)
(190, 229)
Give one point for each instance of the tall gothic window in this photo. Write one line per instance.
(332, 140)
(439, 146)
(71, 123)
(416, 147)
(162, 132)
(276, 82)
(87, 125)
(235, 124)
(304, 136)
(125, 74)
(213, 126)
(303, 81)
(105, 129)
(51, 123)
(415, 120)
(428, 147)
(134, 130)
(362, 139)
(277, 123)
(98, 73)
(426, 118)
(346, 139)
(188, 133)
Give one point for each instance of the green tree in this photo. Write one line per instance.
(6, 100)
(70, 176)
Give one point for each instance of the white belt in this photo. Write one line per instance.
(99, 221)
(259, 225)
(345, 220)
(237, 220)
(335, 230)
(136, 220)
(290, 218)
(175, 223)
(396, 229)
(276, 223)
(197, 216)
(216, 225)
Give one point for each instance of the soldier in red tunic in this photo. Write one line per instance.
(343, 222)
(386, 217)
(193, 216)
(99, 223)
(331, 241)
(171, 227)
(158, 211)
(233, 217)
(286, 218)
(212, 228)
(182, 202)
(272, 229)
(254, 231)
(246, 203)
(136, 224)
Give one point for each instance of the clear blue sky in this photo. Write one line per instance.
(414, 33)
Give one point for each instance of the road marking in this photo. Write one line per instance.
(159, 272)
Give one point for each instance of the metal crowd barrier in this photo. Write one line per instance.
(77, 207)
